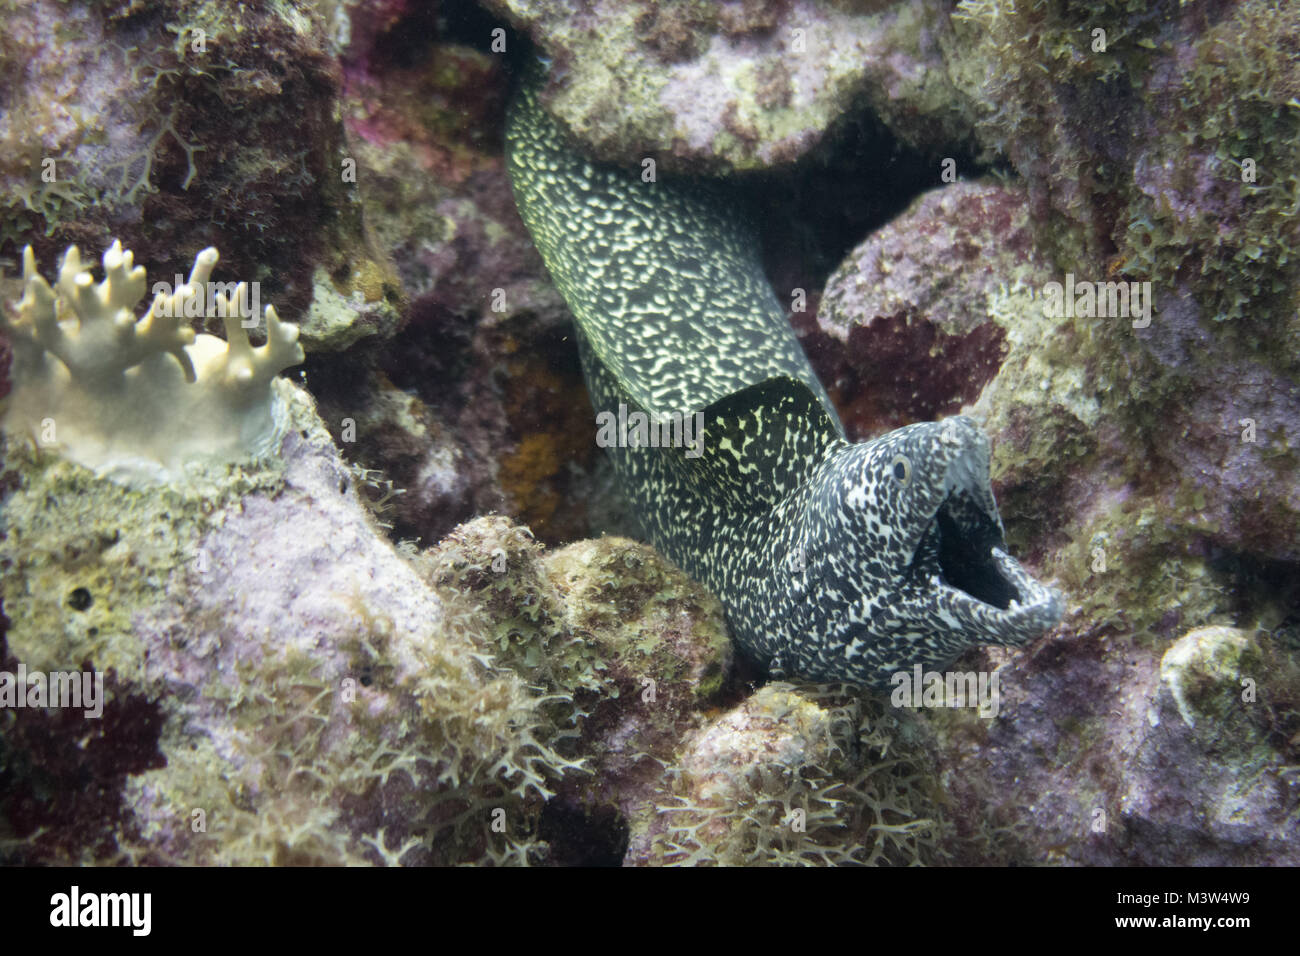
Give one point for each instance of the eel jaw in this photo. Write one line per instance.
(961, 555)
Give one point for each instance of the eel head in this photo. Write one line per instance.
(932, 571)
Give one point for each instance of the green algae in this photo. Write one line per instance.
(803, 775)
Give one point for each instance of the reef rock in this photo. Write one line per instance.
(497, 409)
(175, 125)
(797, 775)
(318, 696)
(1105, 753)
(737, 84)
(903, 330)
(636, 652)
(1158, 158)
(288, 697)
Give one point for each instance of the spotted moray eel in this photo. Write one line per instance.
(835, 561)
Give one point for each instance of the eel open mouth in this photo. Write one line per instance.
(966, 539)
(962, 549)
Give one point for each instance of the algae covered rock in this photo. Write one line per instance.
(499, 415)
(1210, 671)
(799, 775)
(322, 697)
(904, 328)
(1151, 137)
(629, 652)
(309, 697)
(1092, 759)
(653, 627)
(156, 120)
(366, 303)
(1157, 148)
(295, 698)
(737, 84)
(430, 481)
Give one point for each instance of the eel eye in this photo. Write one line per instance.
(901, 467)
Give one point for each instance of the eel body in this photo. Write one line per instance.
(833, 560)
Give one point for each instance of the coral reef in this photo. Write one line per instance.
(286, 684)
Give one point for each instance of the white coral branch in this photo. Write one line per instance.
(86, 363)
(247, 366)
(92, 328)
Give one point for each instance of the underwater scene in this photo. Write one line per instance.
(620, 432)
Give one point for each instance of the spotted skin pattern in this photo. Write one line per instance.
(828, 556)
